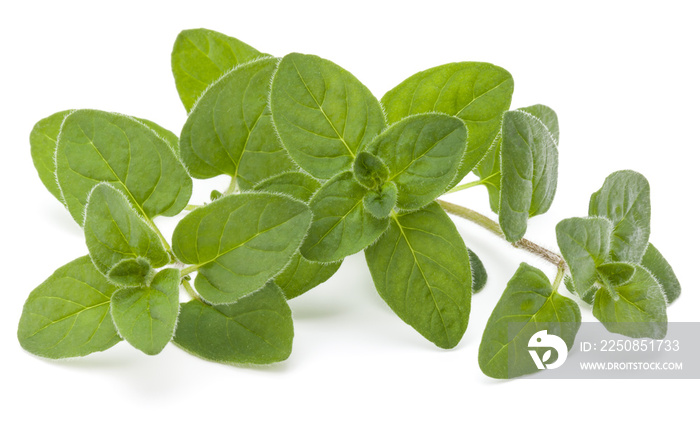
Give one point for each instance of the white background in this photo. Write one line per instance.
(623, 78)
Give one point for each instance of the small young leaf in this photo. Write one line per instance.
(422, 153)
(68, 314)
(639, 311)
(256, 329)
(529, 162)
(95, 146)
(624, 199)
(662, 271)
(528, 305)
(585, 244)
(146, 316)
(615, 274)
(476, 92)
(240, 242)
(479, 275)
(381, 203)
(201, 56)
(299, 185)
(341, 225)
(420, 268)
(114, 232)
(323, 114)
(43, 145)
(131, 272)
(369, 170)
(230, 130)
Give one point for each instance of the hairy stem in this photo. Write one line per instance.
(190, 290)
(473, 183)
(492, 226)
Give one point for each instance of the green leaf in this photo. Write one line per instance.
(547, 116)
(529, 162)
(662, 271)
(169, 137)
(68, 314)
(420, 267)
(585, 244)
(422, 153)
(299, 185)
(489, 171)
(229, 130)
(479, 275)
(624, 199)
(131, 272)
(145, 316)
(476, 92)
(615, 274)
(256, 329)
(240, 242)
(95, 146)
(201, 56)
(381, 203)
(323, 114)
(114, 232)
(369, 170)
(528, 305)
(341, 225)
(639, 310)
(43, 146)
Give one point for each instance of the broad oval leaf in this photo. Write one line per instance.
(624, 199)
(299, 185)
(639, 311)
(479, 274)
(95, 146)
(529, 167)
(43, 146)
(68, 314)
(528, 305)
(423, 154)
(547, 116)
(323, 114)
(476, 92)
(229, 130)
(201, 56)
(341, 225)
(240, 242)
(146, 316)
(114, 231)
(420, 268)
(662, 271)
(256, 329)
(584, 244)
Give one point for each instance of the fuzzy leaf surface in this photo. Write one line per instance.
(323, 114)
(201, 56)
(43, 147)
(146, 316)
(476, 92)
(95, 146)
(662, 271)
(624, 199)
(479, 274)
(423, 154)
(299, 185)
(547, 116)
(68, 314)
(420, 267)
(528, 305)
(256, 329)
(230, 129)
(131, 272)
(239, 242)
(529, 167)
(341, 225)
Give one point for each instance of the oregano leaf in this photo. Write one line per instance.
(624, 199)
(420, 267)
(616, 274)
(662, 271)
(476, 92)
(341, 225)
(68, 314)
(489, 171)
(146, 316)
(369, 170)
(323, 114)
(529, 167)
(639, 310)
(95, 146)
(240, 242)
(256, 329)
(479, 274)
(299, 185)
(230, 130)
(201, 56)
(422, 153)
(381, 203)
(131, 272)
(547, 116)
(43, 147)
(528, 305)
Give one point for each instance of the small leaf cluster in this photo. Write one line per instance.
(321, 169)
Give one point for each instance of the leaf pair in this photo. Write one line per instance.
(613, 267)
